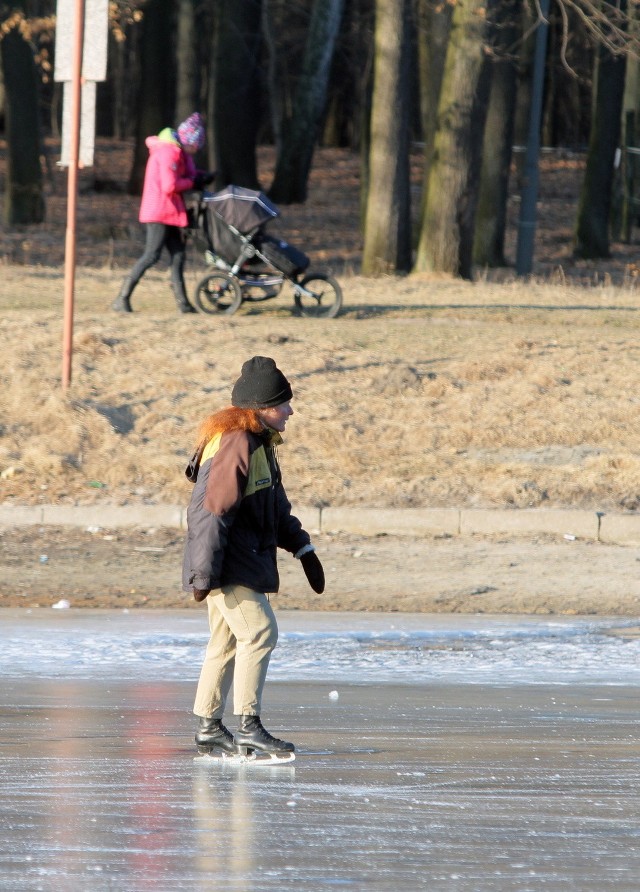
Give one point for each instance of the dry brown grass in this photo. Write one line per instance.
(423, 393)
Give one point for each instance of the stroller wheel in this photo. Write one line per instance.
(218, 293)
(318, 295)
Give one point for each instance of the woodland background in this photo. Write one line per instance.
(446, 86)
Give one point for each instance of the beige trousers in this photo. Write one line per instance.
(244, 632)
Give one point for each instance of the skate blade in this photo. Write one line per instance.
(256, 758)
(218, 756)
(246, 759)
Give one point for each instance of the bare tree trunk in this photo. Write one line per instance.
(491, 214)
(365, 144)
(212, 146)
(569, 68)
(124, 74)
(238, 107)
(349, 84)
(434, 25)
(2, 93)
(446, 235)
(186, 61)
(592, 230)
(630, 127)
(273, 83)
(24, 198)
(387, 231)
(156, 96)
(300, 132)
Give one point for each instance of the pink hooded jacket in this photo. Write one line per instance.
(168, 174)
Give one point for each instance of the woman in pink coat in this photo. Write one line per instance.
(170, 171)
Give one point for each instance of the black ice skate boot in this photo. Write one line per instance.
(252, 736)
(213, 738)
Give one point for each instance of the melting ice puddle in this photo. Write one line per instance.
(356, 648)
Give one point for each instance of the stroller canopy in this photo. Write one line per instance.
(242, 208)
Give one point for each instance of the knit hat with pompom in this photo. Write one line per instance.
(191, 131)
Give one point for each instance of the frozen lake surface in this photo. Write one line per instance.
(444, 753)
(354, 647)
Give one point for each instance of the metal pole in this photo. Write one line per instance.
(72, 194)
(529, 197)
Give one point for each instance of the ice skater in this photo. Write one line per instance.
(170, 171)
(238, 517)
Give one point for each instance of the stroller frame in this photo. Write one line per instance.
(233, 282)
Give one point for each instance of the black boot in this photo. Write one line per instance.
(182, 301)
(212, 737)
(252, 736)
(122, 303)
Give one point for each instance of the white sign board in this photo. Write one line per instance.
(94, 68)
(96, 30)
(87, 125)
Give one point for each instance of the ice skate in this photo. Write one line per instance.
(255, 744)
(213, 739)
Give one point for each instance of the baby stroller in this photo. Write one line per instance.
(250, 265)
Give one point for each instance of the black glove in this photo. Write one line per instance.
(313, 571)
(203, 179)
(200, 594)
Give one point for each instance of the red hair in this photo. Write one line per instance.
(230, 419)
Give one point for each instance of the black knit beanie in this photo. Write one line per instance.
(260, 385)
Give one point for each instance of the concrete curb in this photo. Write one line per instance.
(392, 521)
(104, 516)
(578, 524)
(613, 529)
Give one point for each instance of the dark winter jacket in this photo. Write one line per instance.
(238, 515)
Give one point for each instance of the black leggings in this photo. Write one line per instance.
(160, 236)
